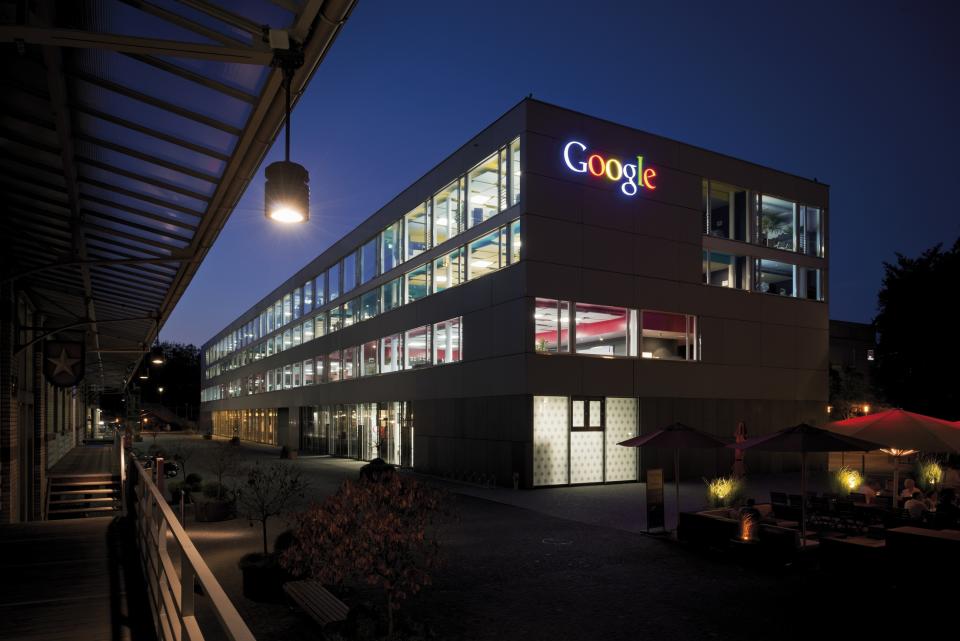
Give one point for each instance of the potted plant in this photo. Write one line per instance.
(267, 491)
(218, 500)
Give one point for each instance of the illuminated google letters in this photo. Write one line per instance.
(633, 175)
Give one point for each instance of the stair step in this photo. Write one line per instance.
(81, 483)
(76, 501)
(110, 490)
(81, 510)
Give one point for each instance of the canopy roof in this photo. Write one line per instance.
(675, 436)
(129, 131)
(805, 438)
(903, 430)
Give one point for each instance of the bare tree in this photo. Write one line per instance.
(223, 462)
(268, 491)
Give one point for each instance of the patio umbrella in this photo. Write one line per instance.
(805, 438)
(676, 436)
(901, 433)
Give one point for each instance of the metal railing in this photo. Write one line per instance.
(170, 584)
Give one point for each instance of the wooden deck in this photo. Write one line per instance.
(87, 459)
(76, 580)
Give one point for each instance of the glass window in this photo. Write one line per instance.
(390, 354)
(417, 348)
(546, 332)
(287, 376)
(368, 358)
(320, 325)
(270, 380)
(483, 191)
(349, 272)
(333, 366)
(448, 270)
(287, 309)
(287, 340)
(278, 343)
(515, 241)
(774, 277)
(335, 319)
(391, 294)
(349, 370)
(368, 260)
(515, 171)
(270, 347)
(601, 329)
(351, 312)
(814, 289)
(776, 222)
(296, 374)
(297, 303)
(370, 304)
(446, 342)
(586, 415)
(727, 211)
(390, 246)
(483, 256)
(278, 314)
(307, 331)
(725, 270)
(308, 372)
(333, 282)
(416, 231)
(418, 283)
(811, 240)
(307, 297)
(448, 212)
(320, 290)
(669, 336)
(502, 191)
(297, 335)
(321, 374)
(269, 316)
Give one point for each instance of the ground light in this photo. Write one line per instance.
(287, 190)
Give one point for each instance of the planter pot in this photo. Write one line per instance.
(210, 511)
(288, 454)
(263, 578)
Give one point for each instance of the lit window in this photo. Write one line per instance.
(307, 297)
(287, 376)
(418, 283)
(320, 290)
(669, 336)
(319, 369)
(446, 342)
(774, 277)
(515, 171)
(270, 380)
(333, 366)
(546, 325)
(297, 303)
(483, 256)
(390, 246)
(483, 191)
(287, 309)
(725, 270)
(368, 260)
(349, 272)
(370, 304)
(391, 294)
(334, 319)
(390, 354)
(296, 374)
(726, 210)
(448, 212)
(601, 330)
(417, 348)
(448, 270)
(349, 370)
(333, 282)
(278, 314)
(368, 359)
(515, 241)
(351, 312)
(416, 231)
(776, 225)
(297, 335)
(811, 238)
(308, 331)
(287, 340)
(870, 355)
(320, 325)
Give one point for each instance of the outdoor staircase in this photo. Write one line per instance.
(83, 495)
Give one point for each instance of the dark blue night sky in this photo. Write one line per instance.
(861, 95)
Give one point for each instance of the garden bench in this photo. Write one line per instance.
(314, 599)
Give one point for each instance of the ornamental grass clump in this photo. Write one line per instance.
(723, 491)
(847, 480)
(929, 473)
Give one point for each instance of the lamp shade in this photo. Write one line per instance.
(156, 355)
(287, 192)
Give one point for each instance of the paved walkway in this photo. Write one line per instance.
(87, 459)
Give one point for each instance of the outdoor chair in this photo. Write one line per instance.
(778, 498)
(858, 497)
(795, 500)
(885, 502)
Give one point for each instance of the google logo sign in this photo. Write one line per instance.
(633, 175)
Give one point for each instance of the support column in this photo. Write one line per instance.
(9, 446)
(38, 476)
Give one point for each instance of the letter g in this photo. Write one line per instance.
(580, 167)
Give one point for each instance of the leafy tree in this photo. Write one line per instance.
(268, 491)
(849, 390)
(375, 530)
(916, 352)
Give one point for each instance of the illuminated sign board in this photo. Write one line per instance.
(631, 175)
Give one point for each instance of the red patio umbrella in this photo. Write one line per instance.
(902, 433)
(676, 436)
(804, 438)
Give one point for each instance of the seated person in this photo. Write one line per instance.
(931, 500)
(909, 489)
(948, 514)
(869, 490)
(916, 506)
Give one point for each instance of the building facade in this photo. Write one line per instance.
(558, 284)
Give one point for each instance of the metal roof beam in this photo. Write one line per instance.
(183, 22)
(78, 39)
(134, 225)
(90, 162)
(138, 212)
(144, 197)
(133, 153)
(193, 76)
(227, 17)
(129, 236)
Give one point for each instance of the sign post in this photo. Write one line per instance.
(655, 515)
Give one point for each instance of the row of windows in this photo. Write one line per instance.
(477, 258)
(424, 346)
(761, 275)
(739, 214)
(585, 328)
(489, 188)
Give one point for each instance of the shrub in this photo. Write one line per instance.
(929, 473)
(846, 480)
(194, 481)
(214, 490)
(723, 491)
